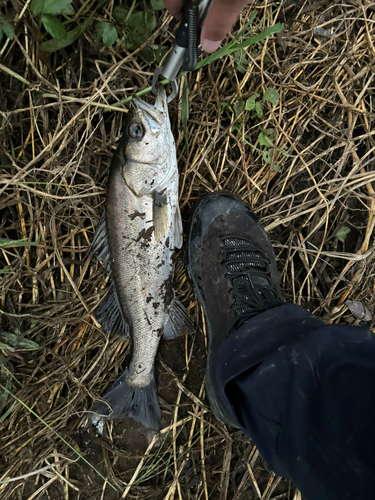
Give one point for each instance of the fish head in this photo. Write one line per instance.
(147, 144)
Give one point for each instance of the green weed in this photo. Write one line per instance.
(235, 45)
(342, 233)
(6, 29)
(54, 15)
(130, 27)
(133, 28)
(253, 109)
(17, 243)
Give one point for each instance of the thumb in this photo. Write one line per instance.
(221, 17)
(174, 8)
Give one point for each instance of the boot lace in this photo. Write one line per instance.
(249, 272)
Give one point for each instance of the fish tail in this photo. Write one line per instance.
(125, 400)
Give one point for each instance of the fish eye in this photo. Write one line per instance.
(136, 131)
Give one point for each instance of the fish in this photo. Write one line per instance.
(135, 240)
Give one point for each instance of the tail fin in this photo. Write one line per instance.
(124, 400)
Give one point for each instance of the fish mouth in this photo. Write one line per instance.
(157, 113)
(161, 99)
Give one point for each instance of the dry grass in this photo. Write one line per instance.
(55, 154)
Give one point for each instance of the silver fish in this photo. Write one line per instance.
(135, 240)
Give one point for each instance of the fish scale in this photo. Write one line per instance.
(136, 239)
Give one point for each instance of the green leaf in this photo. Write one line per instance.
(249, 22)
(6, 414)
(18, 243)
(151, 22)
(55, 6)
(271, 132)
(27, 344)
(250, 103)
(264, 140)
(119, 13)
(224, 106)
(157, 4)
(54, 26)
(342, 233)
(238, 107)
(272, 96)
(159, 52)
(6, 347)
(136, 19)
(36, 6)
(258, 109)
(99, 28)
(13, 341)
(236, 127)
(8, 30)
(57, 44)
(147, 54)
(266, 157)
(140, 27)
(69, 11)
(107, 33)
(6, 270)
(142, 23)
(232, 46)
(276, 166)
(284, 152)
(241, 60)
(270, 31)
(9, 338)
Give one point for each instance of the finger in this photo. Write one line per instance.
(174, 8)
(221, 17)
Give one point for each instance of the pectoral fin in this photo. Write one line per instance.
(177, 228)
(160, 216)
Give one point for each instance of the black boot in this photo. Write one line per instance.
(232, 266)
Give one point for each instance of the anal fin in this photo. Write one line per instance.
(179, 322)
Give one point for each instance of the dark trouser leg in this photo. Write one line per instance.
(305, 393)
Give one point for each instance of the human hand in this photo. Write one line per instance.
(222, 15)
